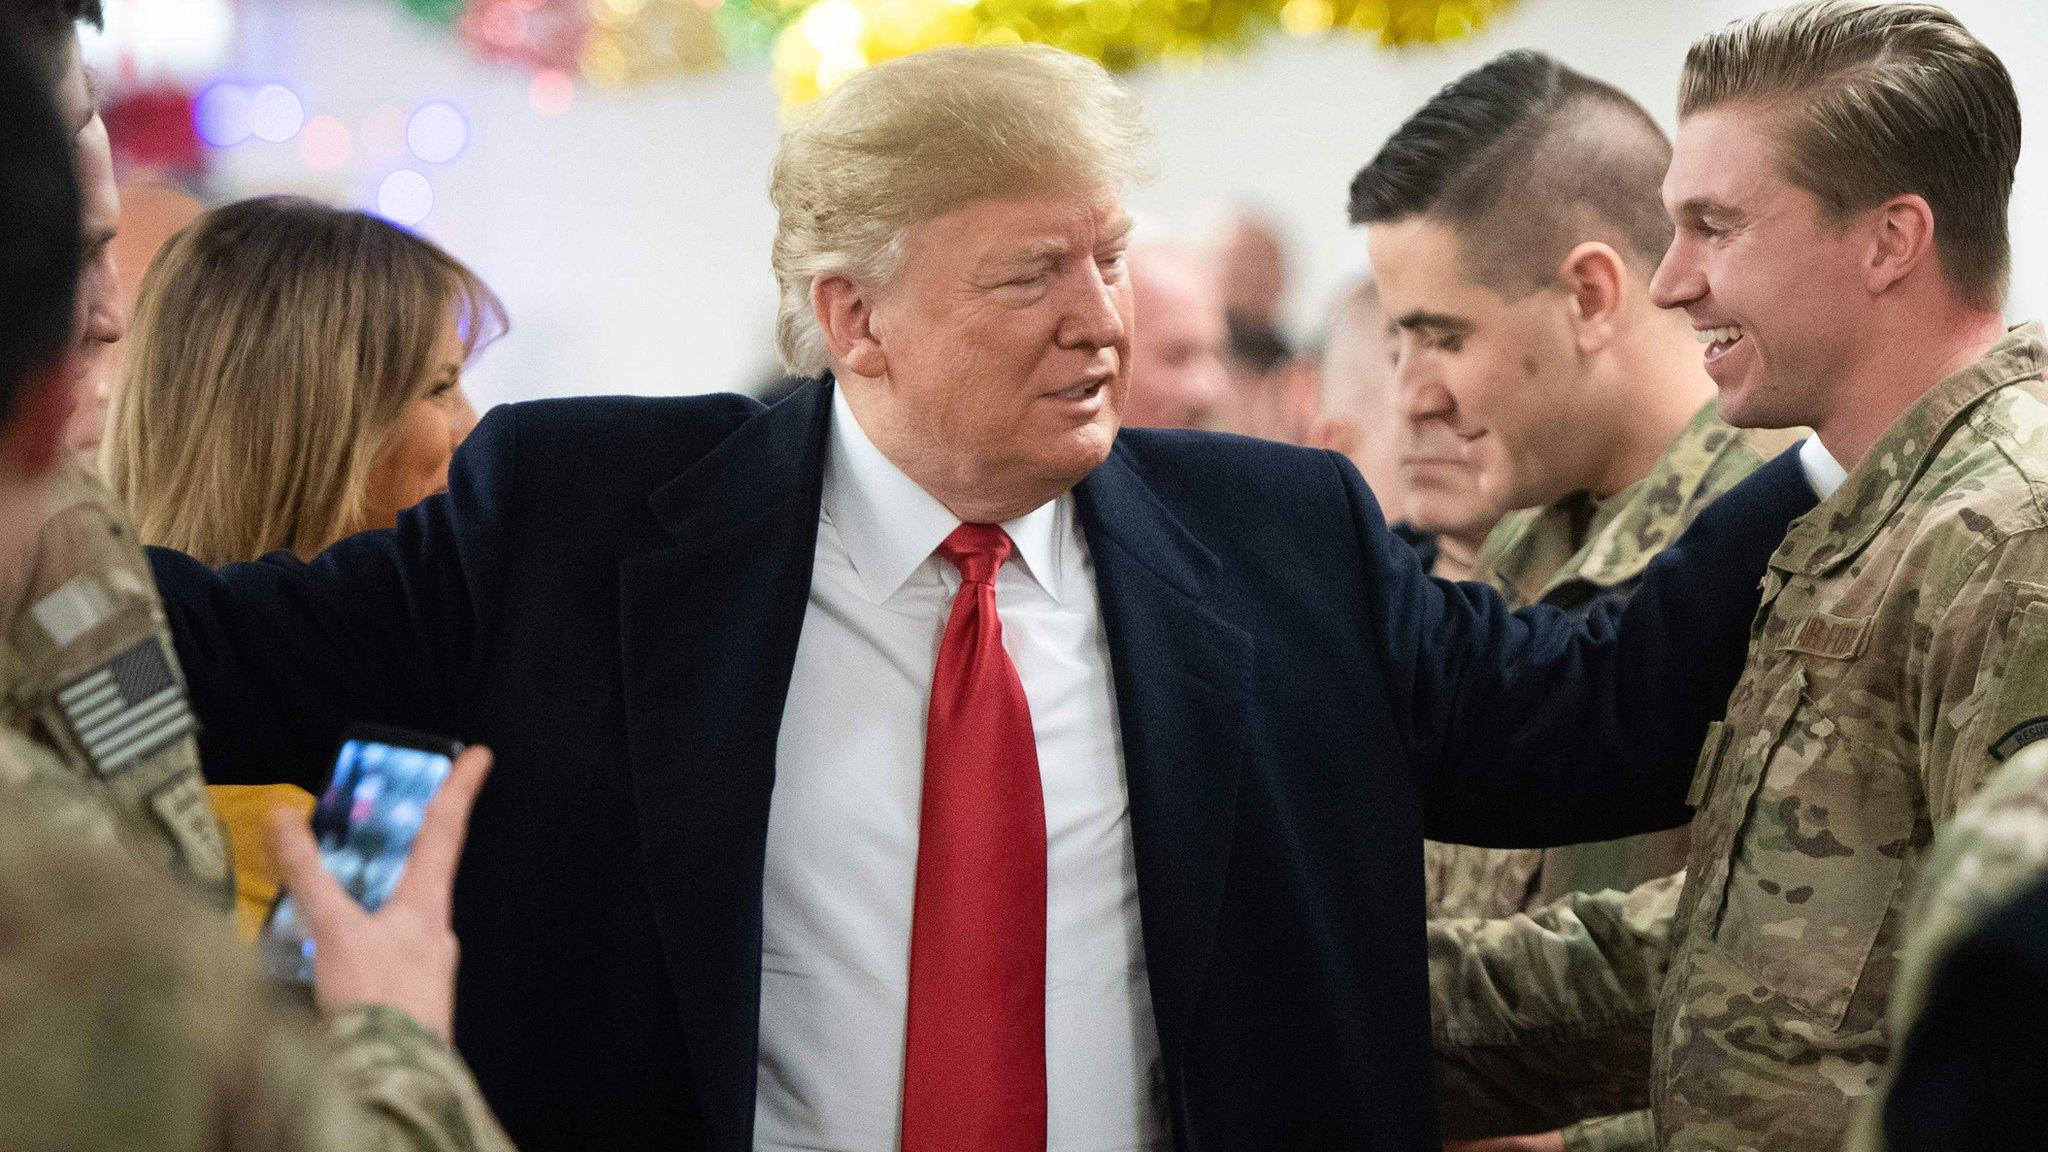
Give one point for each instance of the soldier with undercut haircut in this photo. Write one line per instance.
(1840, 185)
(1514, 222)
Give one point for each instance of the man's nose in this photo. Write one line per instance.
(106, 317)
(1096, 318)
(1419, 392)
(1677, 281)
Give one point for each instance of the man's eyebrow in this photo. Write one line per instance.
(1119, 232)
(1707, 208)
(1435, 321)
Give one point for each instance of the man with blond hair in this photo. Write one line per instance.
(1839, 186)
(921, 763)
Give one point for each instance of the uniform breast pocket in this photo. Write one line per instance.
(1816, 862)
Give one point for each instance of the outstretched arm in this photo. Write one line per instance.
(1537, 727)
(388, 626)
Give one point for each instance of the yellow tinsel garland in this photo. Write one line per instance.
(831, 39)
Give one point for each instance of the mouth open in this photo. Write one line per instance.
(1079, 393)
(1719, 341)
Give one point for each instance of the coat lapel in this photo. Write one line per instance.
(708, 636)
(1183, 686)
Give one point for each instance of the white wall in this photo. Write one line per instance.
(630, 236)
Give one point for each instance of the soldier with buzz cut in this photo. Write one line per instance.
(1839, 186)
(1514, 222)
(128, 1017)
(86, 667)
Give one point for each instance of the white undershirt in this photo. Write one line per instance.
(843, 823)
(1822, 470)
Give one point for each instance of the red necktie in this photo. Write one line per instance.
(974, 1056)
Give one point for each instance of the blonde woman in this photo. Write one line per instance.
(293, 376)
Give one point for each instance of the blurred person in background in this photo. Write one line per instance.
(1273, 391)
(1180, 336)
(1359, 405)
(294, 377)
(129, 1020)
(1515, 221)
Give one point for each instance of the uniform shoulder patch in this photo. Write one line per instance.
(2019, 736)
(127, 708)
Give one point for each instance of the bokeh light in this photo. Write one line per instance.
(405, 197)
(325, 143)
(275, 114)
(384, 132)
(552, 92)
(437, 133)
(222, 114)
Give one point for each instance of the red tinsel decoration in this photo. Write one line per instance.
(530, 33)
(152, 128)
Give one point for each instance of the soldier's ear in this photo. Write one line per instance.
(1595, 281)
(1902, 239)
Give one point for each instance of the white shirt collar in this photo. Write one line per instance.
(889, 525)
(1822, 470)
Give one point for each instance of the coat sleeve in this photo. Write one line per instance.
(387, 626)
(1539, 727)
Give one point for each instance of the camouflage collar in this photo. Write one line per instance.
(1625, 531)
(1844, 523)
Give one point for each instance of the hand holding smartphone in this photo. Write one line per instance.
(370, 900)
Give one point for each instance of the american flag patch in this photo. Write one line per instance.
(126, 708)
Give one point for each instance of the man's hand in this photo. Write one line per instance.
(403, 955)
(1538, 1142)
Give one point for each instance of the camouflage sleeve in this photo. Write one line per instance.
(1629, 1132)
(1996, 845)
(1544, 1019)
(415, 1093)
(1985, 694)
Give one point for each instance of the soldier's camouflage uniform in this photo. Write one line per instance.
(1996, 847)
(130, 1023)
(1568, 555)
(1900, 654)
(97, 754)
(87, 671)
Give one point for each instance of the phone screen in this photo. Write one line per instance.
(365, 824)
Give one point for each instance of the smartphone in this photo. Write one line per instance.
(364, 824)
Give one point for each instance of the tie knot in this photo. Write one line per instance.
(977, 550)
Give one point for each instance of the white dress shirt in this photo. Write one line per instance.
(1823, 471)
(841, 863)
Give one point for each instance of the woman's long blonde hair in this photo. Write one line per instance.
(275, 343)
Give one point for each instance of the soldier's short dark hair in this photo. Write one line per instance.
(46, 30)
(39, 227)
(1525, 159)
(1875, 100)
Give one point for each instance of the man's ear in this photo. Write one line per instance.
(1902, 239)
(1594, 275)
(846, 313)
(32, 440)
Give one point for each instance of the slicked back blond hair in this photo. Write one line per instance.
(912, 139)
(1875, 100)
(275, 343)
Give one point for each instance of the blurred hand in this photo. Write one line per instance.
(1538, 1142)
(404, 954)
